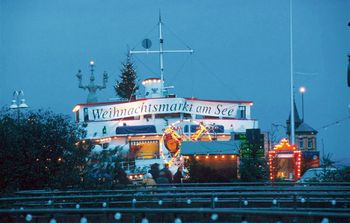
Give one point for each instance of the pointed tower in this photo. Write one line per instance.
(305, 135)
(297, 120)
(305, 140)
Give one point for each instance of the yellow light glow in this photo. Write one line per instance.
(197, 157)
(207, 157)
(222, 156)
(76, 108)
(216, 157)
(302, 89)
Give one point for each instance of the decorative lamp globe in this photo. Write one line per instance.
(13, 104)
(23, 104)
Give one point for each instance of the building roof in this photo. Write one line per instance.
(305, 128)
(210, 147)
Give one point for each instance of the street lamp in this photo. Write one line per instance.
(302, 90)
(18, 102)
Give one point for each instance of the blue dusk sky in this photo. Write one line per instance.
(241, 53)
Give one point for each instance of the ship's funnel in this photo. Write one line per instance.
(153, 88)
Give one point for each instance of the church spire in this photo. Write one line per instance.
(297, 119)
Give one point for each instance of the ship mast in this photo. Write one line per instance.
(161, 53)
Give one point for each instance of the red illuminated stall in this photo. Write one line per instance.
(285, 162)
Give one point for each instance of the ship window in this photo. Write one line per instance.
(77, 116)
(159, 116)
(144, 149)
(242, 111)
(186, 115)
(147, 117)
(169, 115)
(86, 114)
(309, 143)
(301, 143)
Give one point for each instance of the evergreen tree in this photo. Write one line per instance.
(40, 150)
(126, 88)
(104, 171)
(252, 166)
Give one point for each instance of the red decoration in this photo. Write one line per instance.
(284, 149)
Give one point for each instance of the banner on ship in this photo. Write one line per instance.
(160, 106)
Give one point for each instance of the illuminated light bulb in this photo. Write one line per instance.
(117, 216)
(177, 220)
(207, 157)
(302, 89)
(160, 202)
(144, 220)
(216, 199)
(189, 201)
(83, 220)
(29, 217)
(302, 200)
(325, 220)
(104, 204)
(222, 156)
(216, 157)
(233, 156)
(245, 202)
(333, 202)
(92, 63)
(197, 157)
(274, 201)
(214, 217)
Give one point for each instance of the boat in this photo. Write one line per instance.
(153, 128)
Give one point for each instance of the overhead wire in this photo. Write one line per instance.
(337, 122)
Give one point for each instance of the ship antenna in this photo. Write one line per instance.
(147, 44)
(161, 54)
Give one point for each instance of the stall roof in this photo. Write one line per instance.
(210, 147)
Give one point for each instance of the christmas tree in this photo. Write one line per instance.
(126, 88)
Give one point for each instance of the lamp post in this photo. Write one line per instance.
(18, 102)
(302, 90)
(292, 124)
